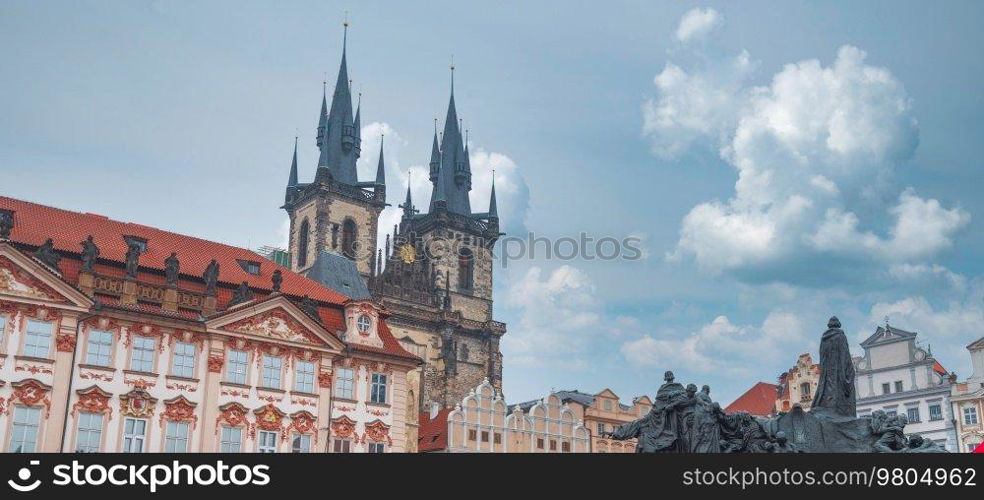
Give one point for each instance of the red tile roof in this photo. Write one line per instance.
(433, 432)
(760, 400)
(34, 223)
(938, 368)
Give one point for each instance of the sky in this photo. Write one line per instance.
(780, 162)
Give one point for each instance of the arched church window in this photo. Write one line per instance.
(348, 238)
(466, 269)
(302, 243)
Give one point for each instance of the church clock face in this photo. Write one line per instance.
(407, 254)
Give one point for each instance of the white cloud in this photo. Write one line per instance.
(556, 311)
(722, 346)
(813, 149)
(697, 23)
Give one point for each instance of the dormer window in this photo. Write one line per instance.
(363, 323)
(250, 266)
(136, 240)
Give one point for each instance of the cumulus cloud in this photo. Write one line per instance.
(557, 311)
(815, 151)
(722, 346)
(697, 23)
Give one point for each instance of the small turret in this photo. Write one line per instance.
(380, 188)
(291, 190)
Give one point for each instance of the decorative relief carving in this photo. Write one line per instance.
(93, 400)
(89, 375)
(31, 392)
(179, 409)
(177, 386)
(239, 393)
(324, 379)
(215, 362)
(140, 383)
(276, 323)
(65, 342)
(270, 418)
(303, 422)
(233, 414)
(343, 427)
(137, 403)
(378, 432)
(16, 281)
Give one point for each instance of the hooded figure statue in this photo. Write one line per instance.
(835, 392)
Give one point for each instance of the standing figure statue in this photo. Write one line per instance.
(46, 253)
(277, 279)
(172, 267)
(835, 391)
(211, 275)
(660, 430)
(132, 259)
(90, 252)
(6, 224)
(706, 433)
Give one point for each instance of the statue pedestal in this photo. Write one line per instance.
(825, 432)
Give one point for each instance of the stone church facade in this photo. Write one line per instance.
(433, 276)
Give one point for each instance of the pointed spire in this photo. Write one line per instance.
(323, 118)
(357, 127)
(493, 208)
(435, 161)
(380, 167)
(292, 177)
(341, 141)
(407, 205)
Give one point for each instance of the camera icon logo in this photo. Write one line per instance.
(24, 475)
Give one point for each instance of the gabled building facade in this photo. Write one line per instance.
(967, 398)
(898, 376)
(121, 337)
(798, 385)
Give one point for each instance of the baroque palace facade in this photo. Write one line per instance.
(434, 274)
(121, 337)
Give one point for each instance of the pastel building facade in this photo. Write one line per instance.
(153, 341)
(967, 398)
(484, 423)
(798, 385)
(896, 375)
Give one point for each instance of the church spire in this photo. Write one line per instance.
(407, 205)
(454, 176)
(380, 167)
(493, 208)
(341, 141)
(435, 162)
(323, 118)
(292, 178)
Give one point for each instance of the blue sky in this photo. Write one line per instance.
(782, 161)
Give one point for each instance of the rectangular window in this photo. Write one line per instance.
(231, 440)
(539, 443)
(898, 386)
(485, 436)
(301, 443)
(377, 448)
(607, 405)
(912, 414)
(886, 388)
(236, 366)
(935, 412)
(271, 371)
(344, 383)
(601, 428)
(142, 359)
(134, 435)
(176, 437)
(37, 341)
(3, 328)
(304, 377)
(99, 348)
(24, 431)
(970, 415)
(267, 442)
(553, 445)
(378, 393)
(497, 438)
(183, 364)
(565, 447)
(891, 413)
(89, 434)
(472, 435)
(342, 446)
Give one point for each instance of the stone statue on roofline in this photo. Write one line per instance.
(46, 253)
(242, 294)
(211, 276)
(132, 259)
(684, 420)
(277, 279)
(90, 252)
(6, 224)
(172, 269)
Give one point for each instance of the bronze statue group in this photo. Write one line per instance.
(684, 420)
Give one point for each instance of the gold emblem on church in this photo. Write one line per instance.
(408, 254)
